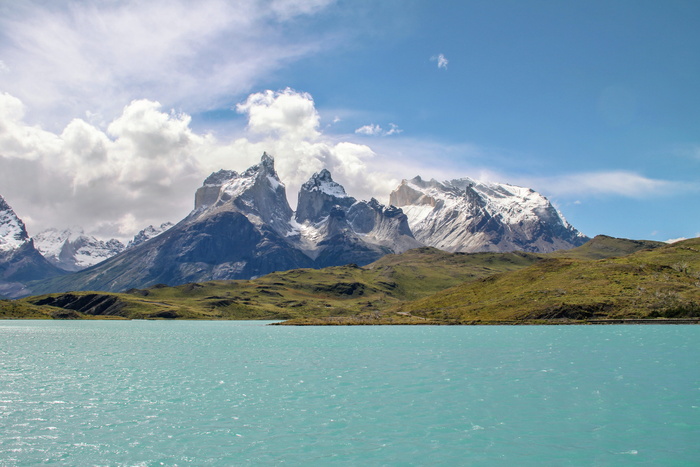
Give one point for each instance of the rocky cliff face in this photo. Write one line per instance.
(257, 193)
(318, 196)
(469, 216)
(334, 228)
(20, 262)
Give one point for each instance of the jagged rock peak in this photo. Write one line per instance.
(226, 186)
(13, 233)
(322, 181)
(318, 196)
(220, 177)
(256, 193)
(150, 232)
(266, 167)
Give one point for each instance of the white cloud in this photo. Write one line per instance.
(286, 114)
(620, 183)
(64, 58)
(369, 130)
(441, 61)
(376, 130)
(393, 130)
(144, 168)
(674, 240)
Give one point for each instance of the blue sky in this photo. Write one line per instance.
(112, 113)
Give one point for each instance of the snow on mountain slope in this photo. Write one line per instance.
(331, 224)
(468, 215)
(13, 234)
(20, 262)
(73, 250)
(148, 233)
(257, 193)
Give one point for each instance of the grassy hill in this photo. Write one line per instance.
(659, 283)
(420, 286)
(337, 291)
(603, 246)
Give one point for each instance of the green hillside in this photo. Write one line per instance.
(345, 291)
(603, 246)
(659, 283)
(420, 286)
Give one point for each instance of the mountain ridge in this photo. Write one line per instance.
(469, 215)
(242, 227)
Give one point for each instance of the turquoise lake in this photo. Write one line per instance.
(152, 393)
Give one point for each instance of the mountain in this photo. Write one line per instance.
(333, 228)
(148, 233)
(73, 250)
(242, 227)
(468, 215)
(20, 262)
(238, 229)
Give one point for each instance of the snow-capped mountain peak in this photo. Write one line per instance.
(470, 215)
(148, 233)
(13, 233)
(323, 182)
(72, 250)
(318, 196)
(256, 193)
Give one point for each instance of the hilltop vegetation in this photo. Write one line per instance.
(340, 291)
(659, 283)
(605, 278)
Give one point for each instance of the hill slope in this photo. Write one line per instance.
(659, 283)
(335, 291)
(335, 295)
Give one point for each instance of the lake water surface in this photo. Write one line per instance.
(151, 393)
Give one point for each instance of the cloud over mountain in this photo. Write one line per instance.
(141, 169)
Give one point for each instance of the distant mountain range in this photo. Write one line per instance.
(471, 216)
(72, 250)
(243, 227)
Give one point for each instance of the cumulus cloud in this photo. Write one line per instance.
(286, 114)
(144, 168)
(63, 58)
(441, 61)
(101, 180)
